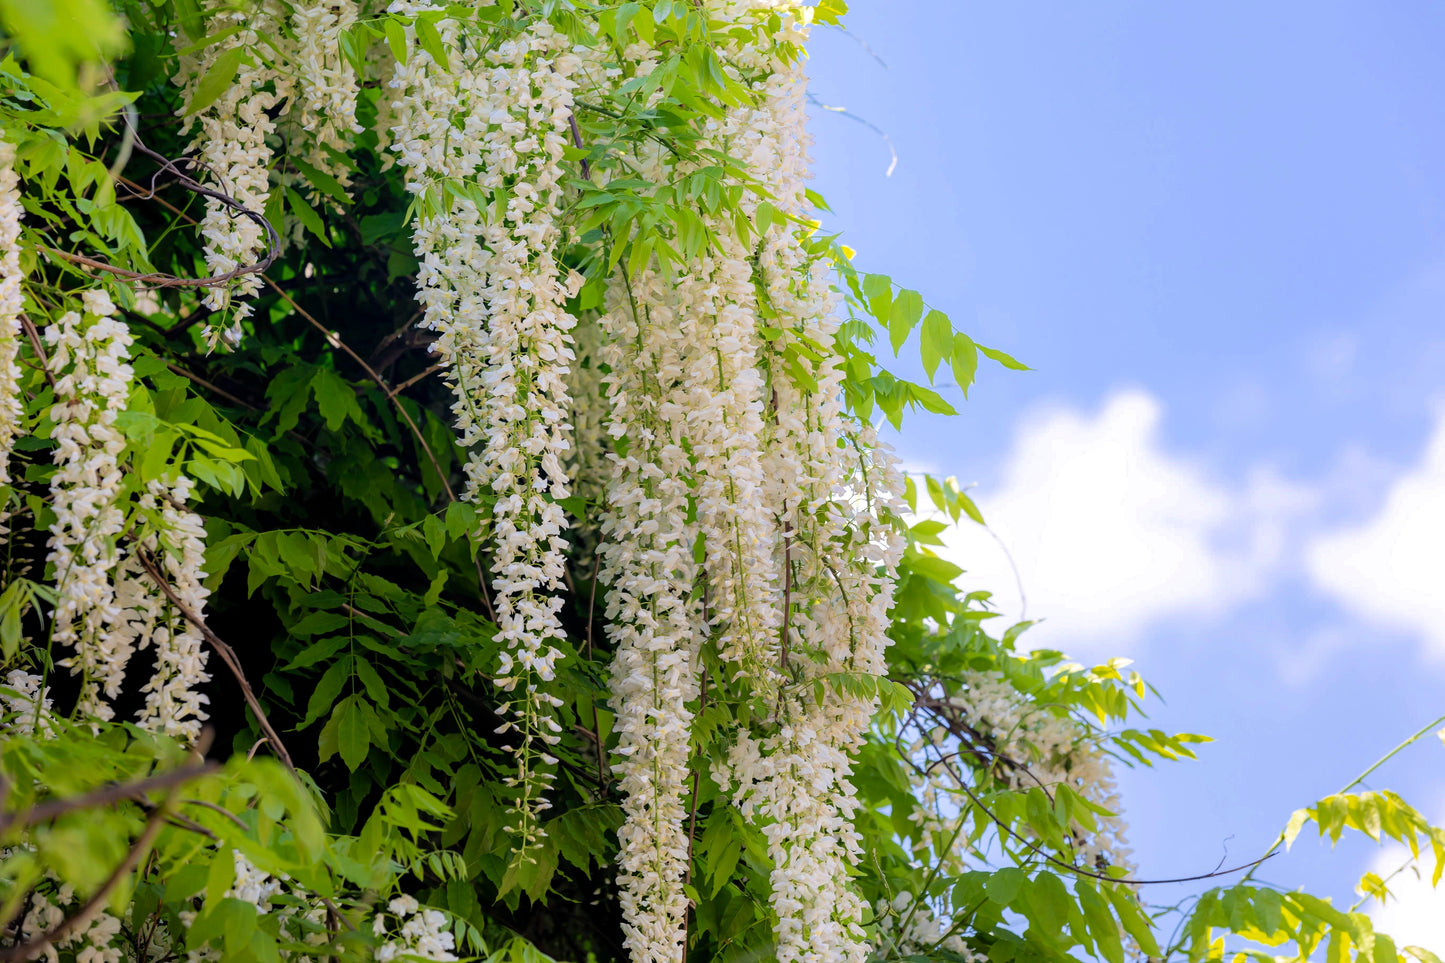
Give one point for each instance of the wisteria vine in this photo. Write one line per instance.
(648, 355)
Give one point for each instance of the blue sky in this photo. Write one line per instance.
(1217, 232)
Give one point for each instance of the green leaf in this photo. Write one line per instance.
(1003, 886)
(371, 679)
(318, 652)
(929, 400)
(322, 181)
(217, 79)
(1008, 361)
(907, 309)
(307, 215)
(936, 341)
(970, 509)
(220, 876)
(10, 632)
(964, 361)
(1101, 922)
(336, 399)
(396, 38)
(1131, 914)
(353, 735)
(830, 11)
(1297, 821)
(431, 42)
(878, 289)
(323, 697)
(319, 623)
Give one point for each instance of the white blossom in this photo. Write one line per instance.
(233, 155)
(482, 141)
(88, 354)
(24, 703)
(1037, 746)
(11, 301)
(909, 926)
(836, 493)
(99, 941)
(327, 86)
(653, 617)
(176, 543)
(416, 932)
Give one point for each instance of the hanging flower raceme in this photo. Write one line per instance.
(233, 156)
(11, 303)
(716, 309)
(834, 491)
(327, 85)
(176, 546)
(1035, 746)
(653, 616)
(797, 781)
(482, 139)
(88, 353)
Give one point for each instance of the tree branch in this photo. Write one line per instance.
(97, 901)
(228, 656)
(104, 797)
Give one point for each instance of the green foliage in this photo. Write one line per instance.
(348, 577)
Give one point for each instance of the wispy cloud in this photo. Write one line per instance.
(1415, 913)
(1112, 533)
(1390, 569)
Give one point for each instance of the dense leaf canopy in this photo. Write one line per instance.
(444, 516)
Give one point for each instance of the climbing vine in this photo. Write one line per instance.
(447, 514)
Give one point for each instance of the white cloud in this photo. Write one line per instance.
(1111, 533)
(1415, 913)
(1390, 570)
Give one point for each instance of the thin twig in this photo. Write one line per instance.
(33, 334)
(692, 820)
(591, 605)
(154, 280)
(88, 910)
(787, 593)
(168, 166)
(332, 339)
(414, 379)
(1080, 871)
(577, 142)
(206, 384)
(103, 797)
(220, 809)
(1412, 738)
(228, 656)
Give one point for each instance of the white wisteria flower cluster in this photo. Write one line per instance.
(833, 488)
(909, 926)
(653, 618)
(743, 477)
(234, 156)
(297, 76)
(100, 940)
(1039, 747)
(413, 932)
(11, 302)
(25, 706)
(482, 139)
(327, 86)
(176, 545)
(89, 352)
(108, 605)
